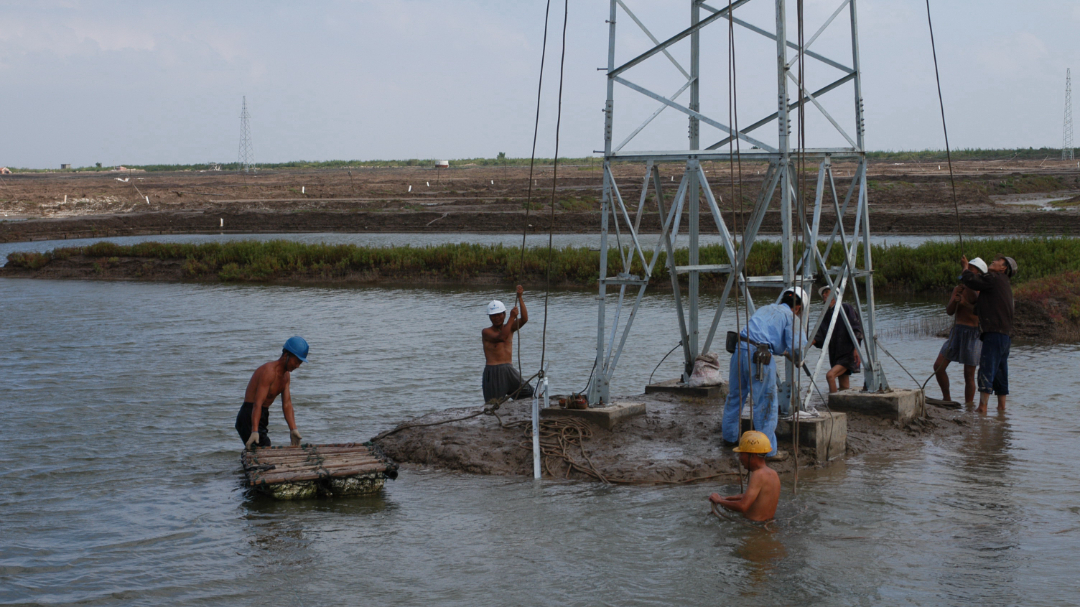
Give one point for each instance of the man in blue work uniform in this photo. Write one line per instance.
(772, 332)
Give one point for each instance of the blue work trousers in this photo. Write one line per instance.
(994, 364)
(742, 381)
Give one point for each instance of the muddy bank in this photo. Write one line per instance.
(676, 441)
(905, 198)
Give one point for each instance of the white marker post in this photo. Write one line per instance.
(410, 188)
(541, 387)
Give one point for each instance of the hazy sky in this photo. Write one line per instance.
(152, 82)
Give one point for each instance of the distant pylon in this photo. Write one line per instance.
(246, 158)
(1067, 143)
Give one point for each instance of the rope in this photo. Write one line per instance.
(945, 128)
(733, 118)
(490, 408)
(532, 156)
(554, 185)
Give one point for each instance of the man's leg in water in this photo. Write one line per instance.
(766, 405)
(738, 388)
(940, 366)
(969, 383)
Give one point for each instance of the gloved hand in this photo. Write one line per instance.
(294, 435)
(252, 441)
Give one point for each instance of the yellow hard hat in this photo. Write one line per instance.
(753, 442)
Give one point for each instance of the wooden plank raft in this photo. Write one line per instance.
(309, 471)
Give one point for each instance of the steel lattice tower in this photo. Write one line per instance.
(829, 215)
(1067, 138)
(246, 157)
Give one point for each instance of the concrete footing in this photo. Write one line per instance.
(676, 386)
(605, 417)
(825, 433)
(901, 405)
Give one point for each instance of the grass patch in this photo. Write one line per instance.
(932, 266)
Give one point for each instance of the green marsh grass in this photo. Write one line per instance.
(930, 266)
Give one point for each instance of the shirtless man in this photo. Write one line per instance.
(268, 381)
(963, 345)
(762, 494)
(500, 376)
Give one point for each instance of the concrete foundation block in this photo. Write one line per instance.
(605, 417)
(825, 433)
(676, 386)
(901, 405)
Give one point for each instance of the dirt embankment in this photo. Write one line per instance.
(676, 441)
(905, 199)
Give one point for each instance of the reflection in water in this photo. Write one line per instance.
(763, 551)
(989, 532)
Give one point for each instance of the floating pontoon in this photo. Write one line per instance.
(309, 471)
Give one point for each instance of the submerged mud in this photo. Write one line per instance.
(677, 440)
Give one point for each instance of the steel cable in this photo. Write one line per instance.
(945, 128)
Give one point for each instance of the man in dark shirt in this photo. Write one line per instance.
(843, 353)
(995, 310)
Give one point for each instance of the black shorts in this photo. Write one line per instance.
(243, 425)
(504, 380)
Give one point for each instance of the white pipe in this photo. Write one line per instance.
(541, 386)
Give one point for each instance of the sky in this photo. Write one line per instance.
(162, 82)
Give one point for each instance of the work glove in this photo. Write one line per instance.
(294, 435)
(252, 441)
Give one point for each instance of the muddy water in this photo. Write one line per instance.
(119, 475)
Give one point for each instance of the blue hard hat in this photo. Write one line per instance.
(297, 346)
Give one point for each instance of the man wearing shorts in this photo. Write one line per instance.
(995, 310)
(843, 352)
(963, 345)
(500, 377)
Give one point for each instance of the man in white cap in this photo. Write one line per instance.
(963, 345)
(500, 377)
(773, 331)
(995, 310)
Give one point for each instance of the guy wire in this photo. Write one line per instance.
(945, 128)
(532, 156)
(554, 184)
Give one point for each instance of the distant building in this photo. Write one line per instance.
(442, 164)
(65, 167)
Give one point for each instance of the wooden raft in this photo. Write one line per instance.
(318, 470)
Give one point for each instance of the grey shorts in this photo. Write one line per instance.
(963, 346)
(504, 380)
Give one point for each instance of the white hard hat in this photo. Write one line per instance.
(495, 307)
(798, 292)
(979, 263)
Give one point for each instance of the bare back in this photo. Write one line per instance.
(766, 484)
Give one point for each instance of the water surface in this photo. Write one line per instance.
(120, 476)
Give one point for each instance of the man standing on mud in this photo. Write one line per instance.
(963, 345)
(500, 377)
(752, 371)
(762, 495)
(843, 352)
(268, 381)
(995, 310)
